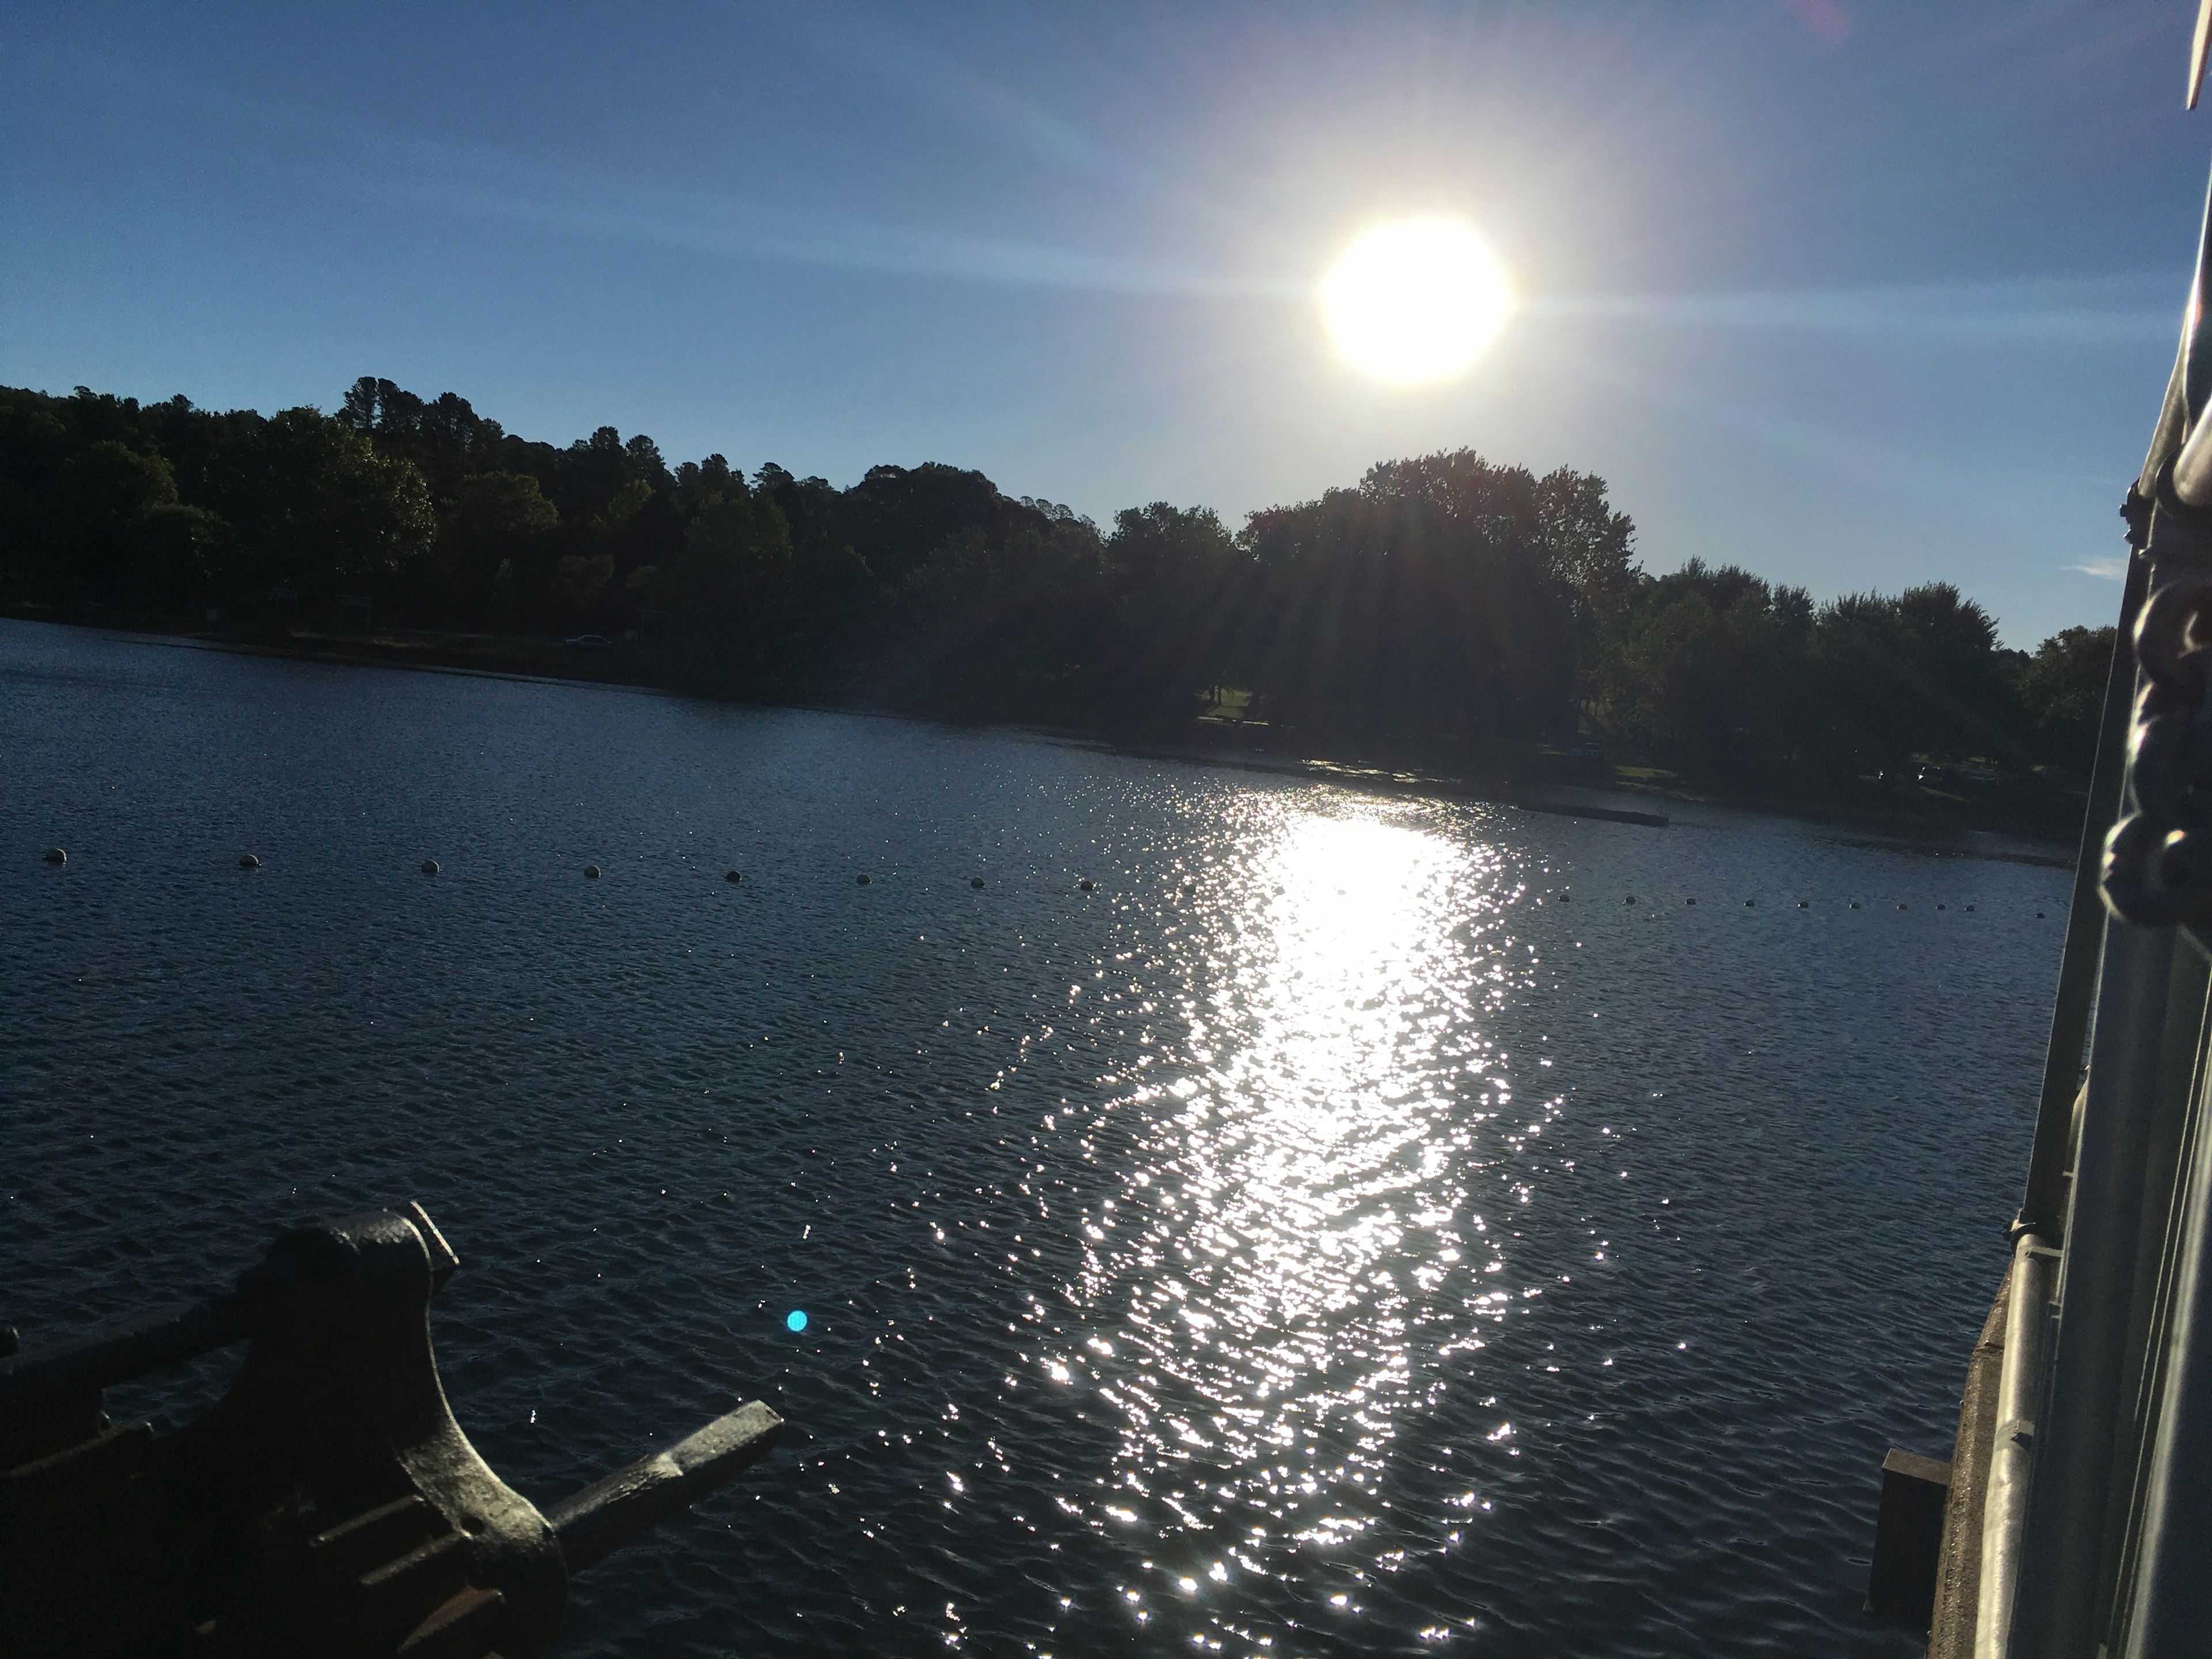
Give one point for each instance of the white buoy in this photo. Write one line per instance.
(247, 861)
(593, 871)
(55, 855)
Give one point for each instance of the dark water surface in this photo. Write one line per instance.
(1349, 1255)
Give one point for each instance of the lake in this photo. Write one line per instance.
(1320, 1238)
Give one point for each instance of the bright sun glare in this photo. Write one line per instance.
(1415, 301)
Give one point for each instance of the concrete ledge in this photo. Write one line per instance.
(1958, 1565)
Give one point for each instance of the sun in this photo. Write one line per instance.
(1415, 301)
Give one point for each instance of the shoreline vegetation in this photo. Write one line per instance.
(1447, 625)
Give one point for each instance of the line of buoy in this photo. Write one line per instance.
(430, 867)
(1565, 893)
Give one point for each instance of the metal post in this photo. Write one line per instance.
(2054, 1606)
(2012, 1449)
(2172, 1612)
(2043, 1204)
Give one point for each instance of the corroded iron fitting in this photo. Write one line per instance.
(328, 1505)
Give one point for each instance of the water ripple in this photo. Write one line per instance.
(1314, 1239)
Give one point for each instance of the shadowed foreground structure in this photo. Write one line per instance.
(329, 1504)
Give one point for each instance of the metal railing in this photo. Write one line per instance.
(2097, 1515)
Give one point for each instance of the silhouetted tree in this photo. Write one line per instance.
(1445, 607)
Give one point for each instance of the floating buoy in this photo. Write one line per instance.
(1942, 906)
(734, 877)
(55, 855)
(1630, 899)
(1970, 907)
(429, 866)
(863, 881)
(1800, 904)
(2038, 915)
(1087, 885)
(247, 861)
(1747, 903)
(1855, 904)
(592, 870)
(1564, 897)
(1901, 907)
(1689, 901)
(975, 881)
(1190, 887)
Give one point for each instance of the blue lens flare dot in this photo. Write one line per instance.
(795, 1319)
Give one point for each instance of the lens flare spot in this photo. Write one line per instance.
(795, 1319)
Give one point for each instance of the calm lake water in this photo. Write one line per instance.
(1317, 1240)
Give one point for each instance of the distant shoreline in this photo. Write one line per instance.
(547, 660)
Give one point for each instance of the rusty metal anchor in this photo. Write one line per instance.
(327, 1504)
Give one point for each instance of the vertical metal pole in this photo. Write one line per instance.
(2173, 1613)
(2150, 1302)
(2012, 1448)
(2056, 1611)
(2043, 1204)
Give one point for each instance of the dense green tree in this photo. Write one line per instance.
(2062, 694)
(1446, 608)
(492, 520)
(332, 513)
(1444, 599)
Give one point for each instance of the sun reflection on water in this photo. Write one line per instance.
(1292, 1252)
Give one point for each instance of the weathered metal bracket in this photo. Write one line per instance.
(328, 1505)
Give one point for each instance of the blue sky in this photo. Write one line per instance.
(1854, 294)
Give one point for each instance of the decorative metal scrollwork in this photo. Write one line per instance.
(2158, 859)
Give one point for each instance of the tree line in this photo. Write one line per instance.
(1443, 610)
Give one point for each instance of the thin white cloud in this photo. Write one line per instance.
(2086, 309)
(2112, 569)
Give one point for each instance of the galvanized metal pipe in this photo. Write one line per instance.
(2012, 1451)
(2055, 1613)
